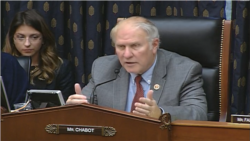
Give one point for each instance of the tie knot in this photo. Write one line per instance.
(138, 79)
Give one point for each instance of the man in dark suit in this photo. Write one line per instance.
(171, 83)
(15, 79)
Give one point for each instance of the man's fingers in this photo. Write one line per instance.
(78, 89)
(142, 110)
(150, 94)
(77, 96)
(142, 106)
(77, 99)
(148, 100)
(138, 113)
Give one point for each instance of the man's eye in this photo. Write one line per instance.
(120, 47)
(135, 45)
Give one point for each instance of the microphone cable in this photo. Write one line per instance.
(25, 105)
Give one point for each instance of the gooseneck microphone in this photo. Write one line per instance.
(93, 97)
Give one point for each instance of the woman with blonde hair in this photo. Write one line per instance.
(29, 35)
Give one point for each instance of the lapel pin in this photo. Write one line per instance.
(156, 86)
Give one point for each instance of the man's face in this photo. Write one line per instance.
(136, 54)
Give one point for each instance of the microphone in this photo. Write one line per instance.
(93, 97)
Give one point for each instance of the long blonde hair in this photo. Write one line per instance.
(49, 61)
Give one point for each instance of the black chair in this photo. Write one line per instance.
(25, 63)
(206, 41)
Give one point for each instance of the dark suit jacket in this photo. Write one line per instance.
(15, 79)
(180, 93)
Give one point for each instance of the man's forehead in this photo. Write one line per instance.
(130, 30)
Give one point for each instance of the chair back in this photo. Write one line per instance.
(200, 39)
(25, 63)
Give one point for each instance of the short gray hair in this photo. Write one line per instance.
(147, 26)
(150, 29)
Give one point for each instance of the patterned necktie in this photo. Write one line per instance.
(139, 91)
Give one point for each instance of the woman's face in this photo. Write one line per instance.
(28, 41)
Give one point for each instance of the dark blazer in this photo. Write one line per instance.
(64, 80)
(15, 79)
(180, 93)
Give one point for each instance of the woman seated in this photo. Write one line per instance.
(15, 79)
(29, 35)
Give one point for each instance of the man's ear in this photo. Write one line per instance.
(155, 44)
(113, 45)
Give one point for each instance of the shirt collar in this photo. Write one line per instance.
(146, 76)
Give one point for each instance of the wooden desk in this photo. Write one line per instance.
(30, 125)
(184, 130)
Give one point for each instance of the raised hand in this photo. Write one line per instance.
(148, 106)
(77, 98)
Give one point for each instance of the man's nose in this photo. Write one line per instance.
(127, 52)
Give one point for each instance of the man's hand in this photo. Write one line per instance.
(77, 98)
(149, 108)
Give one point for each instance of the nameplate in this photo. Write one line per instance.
(80, 129)
(240, 118)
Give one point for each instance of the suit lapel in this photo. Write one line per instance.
(121, 84)
(121, 90)
(159, 74)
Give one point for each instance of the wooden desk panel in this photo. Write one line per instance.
(209, 131)
(30, 125)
